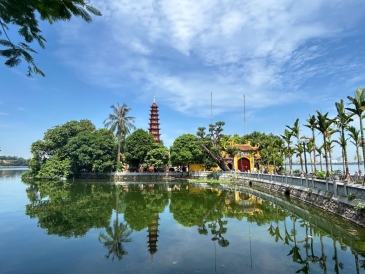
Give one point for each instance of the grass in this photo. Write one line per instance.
(210, 181)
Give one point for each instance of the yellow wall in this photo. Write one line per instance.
(199, 167)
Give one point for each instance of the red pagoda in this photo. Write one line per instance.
(154, 124)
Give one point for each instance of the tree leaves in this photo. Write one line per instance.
(23, 14)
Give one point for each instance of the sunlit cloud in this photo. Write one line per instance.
(186, 50)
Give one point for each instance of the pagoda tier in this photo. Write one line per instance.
(152, 235)
(154, 124)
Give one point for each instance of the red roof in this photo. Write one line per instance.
(246, 148)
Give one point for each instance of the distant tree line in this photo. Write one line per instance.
(13, 161)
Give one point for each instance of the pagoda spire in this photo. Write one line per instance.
(154, 128)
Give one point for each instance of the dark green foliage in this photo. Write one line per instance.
(24, 15)
(92, 151)
(67, 149)
(186, 150)
(137, 145)
(270, 147)
(157, 157)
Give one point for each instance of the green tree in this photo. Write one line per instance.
(324, 126)
(92, 151)
(354, 134)
(358, 108)
(76, 143)
(287, 138)
(54, 168)
(211, 144)
(342, 121)
(137, 145)
(319, 151)
(25, 15)
(157, 157)
(120, 123)
(295, 131)
(312, 126)
(186, 150)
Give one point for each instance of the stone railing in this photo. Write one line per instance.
(330, 185)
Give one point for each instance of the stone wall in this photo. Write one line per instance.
(326, 200)
(134, 176)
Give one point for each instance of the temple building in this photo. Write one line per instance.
(247, 159)
(154, 128)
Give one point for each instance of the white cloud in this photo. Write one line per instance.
(188, 49)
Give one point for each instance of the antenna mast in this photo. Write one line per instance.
(211, 107)
(244, 114)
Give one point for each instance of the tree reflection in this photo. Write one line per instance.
(69, 210)
(141, 205)
(114, 238)
(117, 235)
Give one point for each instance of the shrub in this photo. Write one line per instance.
(351, 196)
(320, 174)
(359, 206)
(213, 176)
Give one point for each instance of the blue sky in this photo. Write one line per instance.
(289, 59)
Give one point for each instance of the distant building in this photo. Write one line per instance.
(154, 128)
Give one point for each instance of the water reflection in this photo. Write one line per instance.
(312, 242)
(12, 174)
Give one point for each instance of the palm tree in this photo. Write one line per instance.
(287, 136)
(323, 126)
(311, 147)
(120, 123)
(342, 142)
(356, 141)
(312, 125)
(358, 103)
(342, 121)
(319, 151)
(330, 145)
(295, 131)
(299, 149)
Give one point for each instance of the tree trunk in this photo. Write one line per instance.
(326, 158)
(216, 159)
(314, 151)
(330, 156)
(362, 145)
(358, 161)
(347, 177)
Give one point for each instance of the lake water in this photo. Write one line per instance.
(352, 168)
(100, 227)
